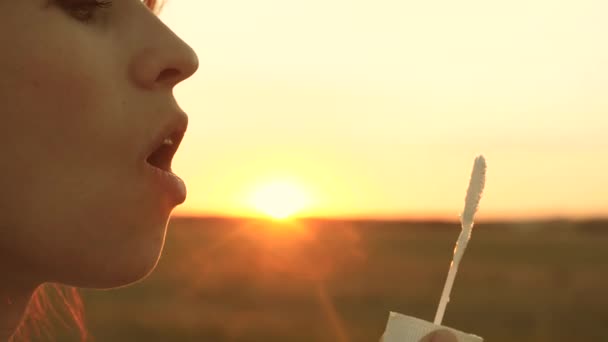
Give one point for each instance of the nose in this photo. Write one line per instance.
(181, 65)
(165, 60)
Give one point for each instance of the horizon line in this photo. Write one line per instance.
(392, 218)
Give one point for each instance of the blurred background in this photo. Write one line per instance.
(327, 159)
(310, 280)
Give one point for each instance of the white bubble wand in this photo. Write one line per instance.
(476, 184)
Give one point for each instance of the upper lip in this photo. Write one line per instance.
(174, 129)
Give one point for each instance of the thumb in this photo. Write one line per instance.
(440, 336)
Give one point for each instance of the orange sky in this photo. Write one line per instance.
(378, 108)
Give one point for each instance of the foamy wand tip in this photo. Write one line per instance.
(476, 185)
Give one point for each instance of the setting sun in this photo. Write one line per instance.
(279, 199)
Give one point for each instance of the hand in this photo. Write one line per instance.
(440, 336)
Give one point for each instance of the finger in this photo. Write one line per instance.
(440, 336)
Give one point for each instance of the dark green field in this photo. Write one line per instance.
(245, 280)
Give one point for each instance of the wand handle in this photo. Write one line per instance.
(471, 204)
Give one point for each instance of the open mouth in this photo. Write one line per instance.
(163, 155)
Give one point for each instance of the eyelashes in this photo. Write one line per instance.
(85, 10)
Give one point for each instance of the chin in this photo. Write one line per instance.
(118, 276)
(135, 260)
(117, 269)
(126, 253)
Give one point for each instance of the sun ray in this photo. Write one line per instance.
(329, 310)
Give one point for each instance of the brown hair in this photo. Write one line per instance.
(42, 313)
(42, 310)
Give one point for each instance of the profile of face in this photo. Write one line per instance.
(85, 91)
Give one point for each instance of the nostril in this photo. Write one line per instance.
(168, 74)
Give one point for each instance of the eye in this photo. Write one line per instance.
(84, 10)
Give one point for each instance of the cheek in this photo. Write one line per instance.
(59, 188)
(55, 103)
(61, 98)
(49, 106)
(46, 93)
(55, 93)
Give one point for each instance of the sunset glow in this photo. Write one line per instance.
(279, 199)
(381, 105)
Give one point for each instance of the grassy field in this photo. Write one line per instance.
(246, 280)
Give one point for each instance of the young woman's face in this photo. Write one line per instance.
(81, 102)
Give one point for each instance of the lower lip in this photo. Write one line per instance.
(170, 183)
